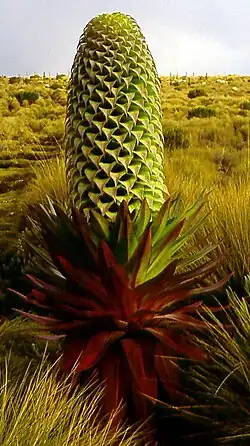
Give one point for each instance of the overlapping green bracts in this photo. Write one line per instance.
(114, 142)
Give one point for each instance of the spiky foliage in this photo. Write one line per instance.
(114, 142)
(17, 336)
(36, 409)
(115, 292)
(219, 392)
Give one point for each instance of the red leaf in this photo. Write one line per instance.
(29, 299)
(37, 304)
(180, 345)
(60, 294)
(114, 371)
(192, 277)
(40, 319)
(52, 324)
(156, 303)
(17, 294)
(141, 317)
(168, 371)
(129, 302)
(176, 321)
(72, 352)
(140, 356)
(108, 261)
(38, 295)
(82, 314)
(88, 282)
(115, 278)
(215, 309)
(83, 227)
(50, 337)
(96, 347)
(189, 308)
(68, 326)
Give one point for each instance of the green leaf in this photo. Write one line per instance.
(142, 218)
(164, 249)
(164, 224)
(100, 225)
(140, 261)
(160, 222)
(123, 238)
(198, 255)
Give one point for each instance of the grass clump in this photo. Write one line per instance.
(37, 409)
(201, 112)
(196, 92)
(222, 388)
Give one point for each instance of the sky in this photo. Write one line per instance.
(184, 36)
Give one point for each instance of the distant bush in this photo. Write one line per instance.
(245, 105)
(35, 76)
(201, 112)
(196, 92)
(55, 85)
(29, 96)
(15, 80)
(175, 138)
(61, 76)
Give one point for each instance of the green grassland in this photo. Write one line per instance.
(31, 128)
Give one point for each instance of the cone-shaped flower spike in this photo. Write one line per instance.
(114, 143)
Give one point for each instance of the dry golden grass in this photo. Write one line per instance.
(228, 203)
(38, 410)
(50, 180)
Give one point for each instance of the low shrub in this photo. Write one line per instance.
(201, 112)
(245, 105)
(196, 92)
(15, 80)
(29, 96)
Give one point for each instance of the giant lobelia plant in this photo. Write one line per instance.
(114, 139)
(114, 280)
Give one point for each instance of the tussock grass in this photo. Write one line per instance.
(218, 390)
(223, 386)
(50, 179)
(37, 409)
(228, 204)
